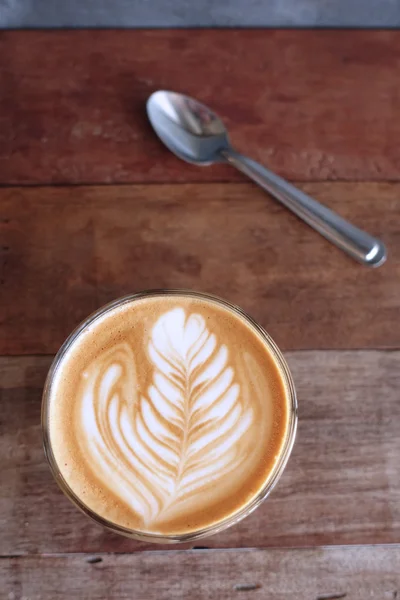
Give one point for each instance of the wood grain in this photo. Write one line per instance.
(313, 105)
(341, 486)
(318, 574)
(67, 251)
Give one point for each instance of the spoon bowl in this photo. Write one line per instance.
(188, 128)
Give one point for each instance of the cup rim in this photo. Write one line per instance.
(275, 474)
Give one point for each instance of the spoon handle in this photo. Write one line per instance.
(357, 243)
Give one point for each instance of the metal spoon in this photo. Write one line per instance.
(196, 134)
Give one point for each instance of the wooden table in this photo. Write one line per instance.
(93, 207)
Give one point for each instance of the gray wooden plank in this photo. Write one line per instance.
(318, 574)
(341, 485)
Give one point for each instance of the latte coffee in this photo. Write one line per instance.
(168, 415)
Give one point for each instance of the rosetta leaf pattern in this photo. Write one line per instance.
(157, 449)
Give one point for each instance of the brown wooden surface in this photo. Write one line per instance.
(316, 106)
(67, 251)
(318, 574)
(312, 104)
(342, 483)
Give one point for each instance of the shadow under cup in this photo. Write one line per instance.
(273, 475)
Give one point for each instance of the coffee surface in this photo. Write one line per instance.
(167, 414)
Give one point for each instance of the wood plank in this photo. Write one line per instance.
(67, 251)
(311, 104)
(318, 574)
(341, 486)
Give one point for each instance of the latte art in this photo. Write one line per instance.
(167, 414)
(158, 448)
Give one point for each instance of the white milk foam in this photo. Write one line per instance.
(159, 448)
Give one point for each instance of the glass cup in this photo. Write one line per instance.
(273, 476)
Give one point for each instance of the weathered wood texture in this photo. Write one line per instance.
(342, 483)
(319, 574)
(67, 251)
(312, 104)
